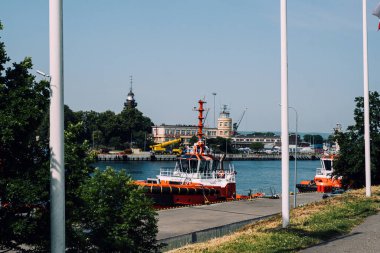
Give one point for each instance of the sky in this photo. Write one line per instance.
(180, 51)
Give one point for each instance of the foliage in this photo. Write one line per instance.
(313, 138)
(107, 129)
(351, 162)
(121, 219)
(24, 173)
(194, 139)
(77, 171)
(256, 146)
(219, 144)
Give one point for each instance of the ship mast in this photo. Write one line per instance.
(200, 119)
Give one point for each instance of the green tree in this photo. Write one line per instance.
(194, 139)
(313, 138)
(121, 219)
(256, 146)
(23, 156)
(133, 126)
(351, 162)
(219, 144)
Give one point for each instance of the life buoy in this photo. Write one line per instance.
(221, 174)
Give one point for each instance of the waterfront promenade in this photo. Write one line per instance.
(181, 226)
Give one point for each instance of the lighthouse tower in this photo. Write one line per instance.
(224, 123)
(130, 103)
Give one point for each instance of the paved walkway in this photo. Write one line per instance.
(187, 220)
(363, 238)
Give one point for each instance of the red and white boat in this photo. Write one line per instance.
(324, 181)
(197, 178)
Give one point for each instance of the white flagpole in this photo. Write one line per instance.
(284, 120)
(57, 169)
(366, 105)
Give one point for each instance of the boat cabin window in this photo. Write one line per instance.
(327, 164)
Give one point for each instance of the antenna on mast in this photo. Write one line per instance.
(131, 81)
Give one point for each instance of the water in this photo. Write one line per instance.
(251, 175)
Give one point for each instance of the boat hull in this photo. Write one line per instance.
(166, 195)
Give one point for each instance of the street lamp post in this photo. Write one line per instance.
(284, 118)
(295, 160)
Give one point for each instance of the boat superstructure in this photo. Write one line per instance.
(197, 177)
(324, 180)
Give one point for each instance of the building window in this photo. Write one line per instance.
(225, 123)
(177, 131)
(221, 132)
(193, 132)
(182, 132)
(188, 132)
(166, 131)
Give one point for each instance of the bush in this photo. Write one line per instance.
(117, 216)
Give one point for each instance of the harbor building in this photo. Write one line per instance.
(165, 132)
(244, 141)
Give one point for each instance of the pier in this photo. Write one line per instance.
(180, 226)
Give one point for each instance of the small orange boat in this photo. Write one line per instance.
(324, 181)
(197, 178)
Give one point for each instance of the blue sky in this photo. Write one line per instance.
(180, 51)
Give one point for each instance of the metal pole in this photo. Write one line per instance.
(284, 120)
(366, 105)
(295, 161)
(214, 93)
(57, 169)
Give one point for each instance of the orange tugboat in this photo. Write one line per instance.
(324, 181)
(197, 178)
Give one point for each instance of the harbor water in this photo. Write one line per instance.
(254, 176)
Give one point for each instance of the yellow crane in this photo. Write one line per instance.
(161, 147)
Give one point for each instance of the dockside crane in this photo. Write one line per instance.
(236, 125)
(161, 147)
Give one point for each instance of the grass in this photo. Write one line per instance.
(310, 225)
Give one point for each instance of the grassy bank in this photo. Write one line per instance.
(309, 225)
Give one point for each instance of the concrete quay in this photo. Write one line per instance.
(180, 226)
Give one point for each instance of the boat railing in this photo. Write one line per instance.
(229, 174)
(167, 171)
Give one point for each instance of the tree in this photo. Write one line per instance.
(256, 146)
(121, 219)
(313, 138)
(24, 174)
(218, 144)
(25, 179)
(351, 162)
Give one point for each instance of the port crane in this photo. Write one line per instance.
(161, 147)
(236, 125)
